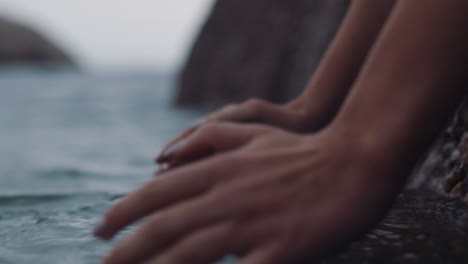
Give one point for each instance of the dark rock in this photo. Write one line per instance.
(421, 228)
(22, 45)
(260, 48)
(446, 167)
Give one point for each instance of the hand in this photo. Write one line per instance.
(292, 116)
(268, 196)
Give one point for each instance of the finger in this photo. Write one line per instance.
(248, 111)
(162, 168)
(234, 113)
(166, 167)
(159, 193)
(259, 111)
(213, 138)
(206, 246)
(266, 255)
(162, 230)
(227, 113)
(253, 110)
(185, 133)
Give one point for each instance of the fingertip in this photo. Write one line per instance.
(162, 169)
(164, 156)
(197, 123)
(108, 259)
(160, 159)
(169, 154)
(103, 231)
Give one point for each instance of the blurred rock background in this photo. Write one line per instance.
(22, 44)
(262, 48)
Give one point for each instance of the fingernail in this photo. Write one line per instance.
(163, 157)
(174, 148)
(174, 164)
(197, 123)
(102, 231)
(160, 159)
(162, 168)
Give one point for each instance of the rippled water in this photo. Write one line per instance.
(73, 143)
(70, 144)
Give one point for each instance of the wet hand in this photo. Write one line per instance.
(275, 197)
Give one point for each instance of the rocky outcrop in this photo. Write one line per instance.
(421, 228)
(259, 48)
(446, 167)
(21, 44)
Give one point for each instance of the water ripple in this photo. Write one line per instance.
(18, 200)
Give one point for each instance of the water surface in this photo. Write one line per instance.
(70, 144)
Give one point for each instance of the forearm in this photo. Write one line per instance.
(414, 79)
(345, 57)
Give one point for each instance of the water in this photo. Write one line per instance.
(72, 143)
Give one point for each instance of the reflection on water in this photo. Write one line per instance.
(71, 144)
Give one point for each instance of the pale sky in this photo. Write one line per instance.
(116, 34)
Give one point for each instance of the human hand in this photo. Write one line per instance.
(292, 116)
(268, 196)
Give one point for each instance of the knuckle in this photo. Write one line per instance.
(208, 129)
(229, 107)
(152, 228)
(298, 119)
(220, 113)
(262, 129)
(255, 103)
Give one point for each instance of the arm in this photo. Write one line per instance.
(415, 77)
(323, 96)
(343, 61)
